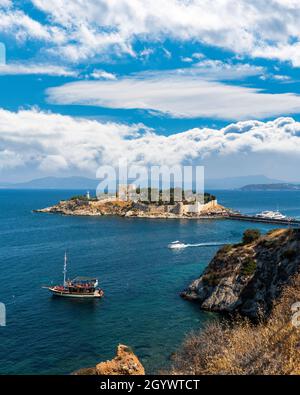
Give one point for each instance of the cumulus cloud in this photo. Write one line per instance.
(30, 68)
(80, 30)
(181, 93)
(56, 144)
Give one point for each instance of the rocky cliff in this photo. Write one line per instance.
(124, 363)
(248, 277)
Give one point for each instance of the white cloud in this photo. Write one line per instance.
(218, 70)
(56, 144)
(101, 74)
(42, 139)
(79, 30)
(146, 53)
(5, 3)
(280, 77)
(187, 59)
(29, 68)
(180, 93)
(198, 55)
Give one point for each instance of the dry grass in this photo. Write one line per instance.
(241, 347)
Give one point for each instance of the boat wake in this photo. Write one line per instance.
(178, 245)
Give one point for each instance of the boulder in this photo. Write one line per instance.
(124, 363)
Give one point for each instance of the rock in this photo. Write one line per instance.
(85, 372)
(248, 278)
(124, 363)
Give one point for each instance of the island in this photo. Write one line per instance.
(127, 206)
(271, 187)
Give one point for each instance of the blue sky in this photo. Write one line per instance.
(165, 82)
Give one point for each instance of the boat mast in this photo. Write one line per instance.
(65, 269)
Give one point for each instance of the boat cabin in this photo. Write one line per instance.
(82, 284)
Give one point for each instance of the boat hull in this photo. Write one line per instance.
(96, 294)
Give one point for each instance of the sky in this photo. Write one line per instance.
(213, 83)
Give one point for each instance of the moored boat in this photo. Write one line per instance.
(273, 215)
(79, 287)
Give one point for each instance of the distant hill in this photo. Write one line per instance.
(238, 182)
(54, 183)
(78, 183)
(271, 187)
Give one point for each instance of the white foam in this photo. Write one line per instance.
(178, 245)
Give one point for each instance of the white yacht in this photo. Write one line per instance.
(272, 215)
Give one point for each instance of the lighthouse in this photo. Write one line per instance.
(88, 195)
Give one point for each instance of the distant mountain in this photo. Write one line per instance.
(271, 187)
(54, 183)
(239, 182)
(89, 183)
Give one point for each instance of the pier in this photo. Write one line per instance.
(252, 218)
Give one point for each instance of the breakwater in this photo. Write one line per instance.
(253, 218)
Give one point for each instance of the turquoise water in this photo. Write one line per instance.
(140, 275)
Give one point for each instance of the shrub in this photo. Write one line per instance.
(79, 197)
(250, 235)
(210, 279)
(243, 348)
(289, 254)
(208, 197)
(249, 267)
(226, 248)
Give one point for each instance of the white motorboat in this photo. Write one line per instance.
(176, 244)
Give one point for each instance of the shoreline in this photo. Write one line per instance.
(202, 217)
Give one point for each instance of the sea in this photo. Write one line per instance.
(140, 275)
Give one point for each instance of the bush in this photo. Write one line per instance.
(250, 235)
(249, 267)
(242, 348)
(208, 197)
(79, 197)
(226, 248)
(210, 279)
(289, 254)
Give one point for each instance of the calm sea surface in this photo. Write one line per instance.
(141, 278)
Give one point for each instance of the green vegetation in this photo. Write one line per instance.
(226, 248)
(211, 279)
(249, 267)
(250, 235)
(208, 197)
(79, 197)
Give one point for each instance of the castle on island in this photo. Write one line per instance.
(164, 201)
